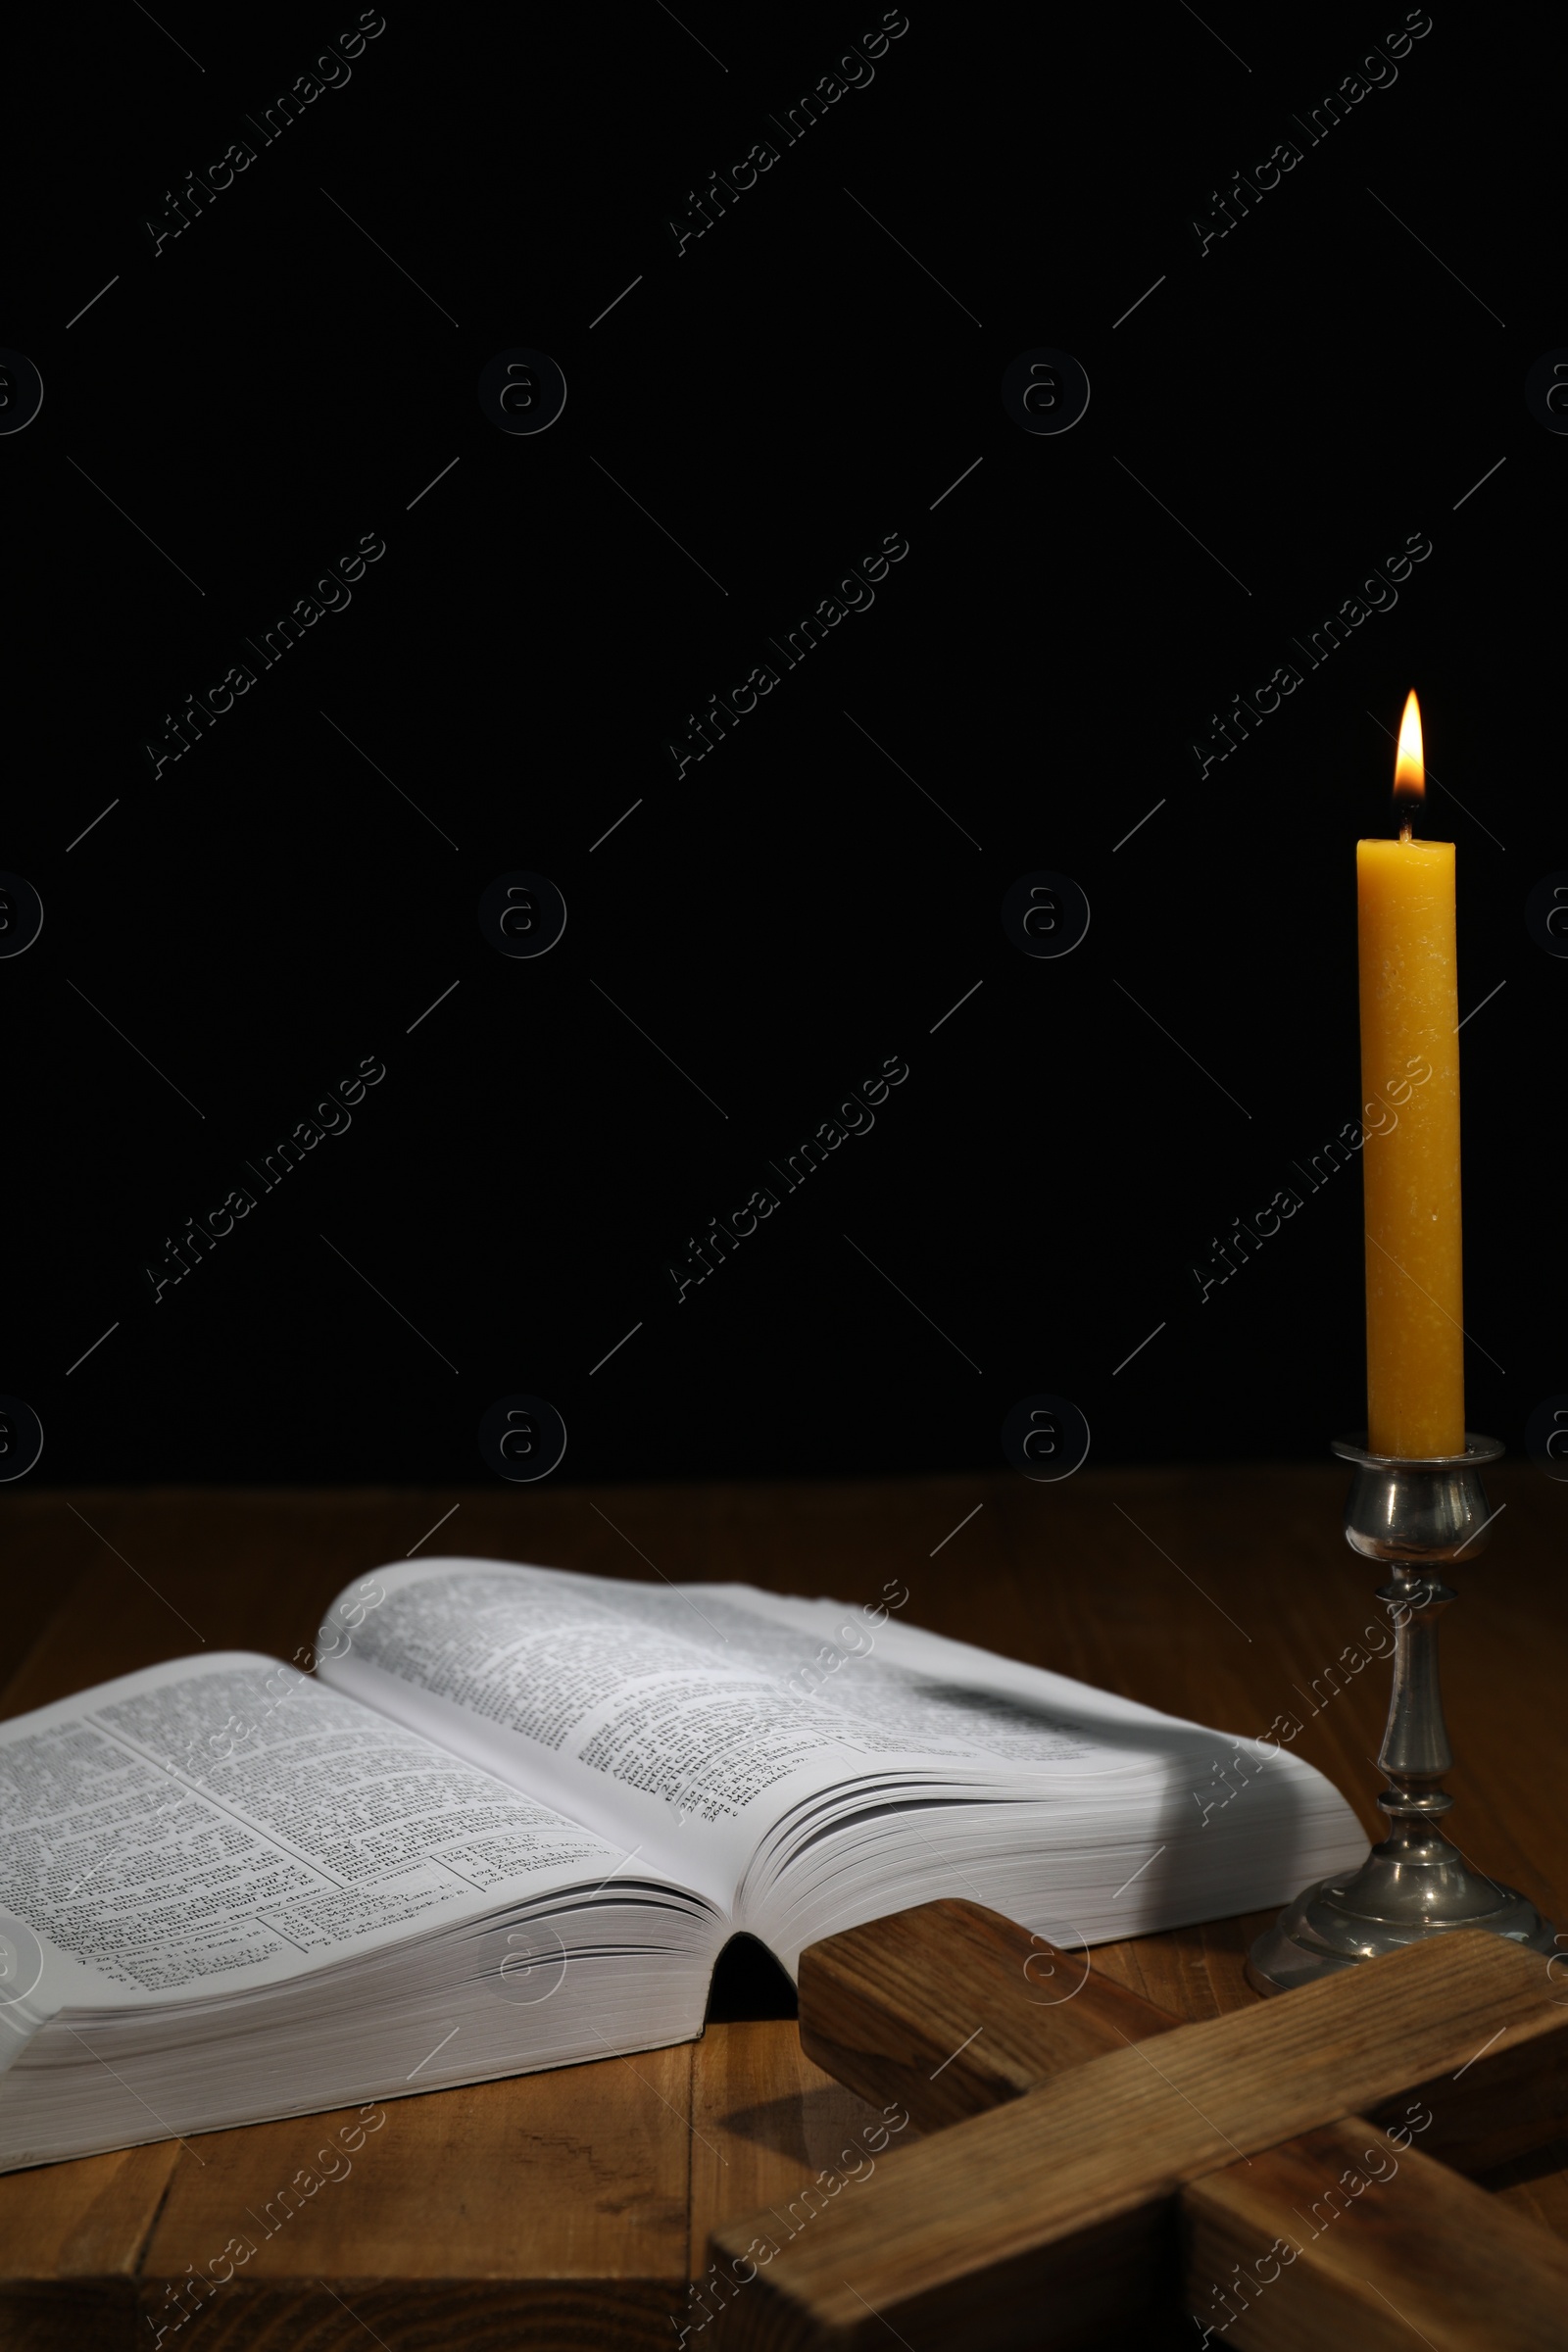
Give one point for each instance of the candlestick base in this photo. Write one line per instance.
(1393, 1899)
(1417, 1516)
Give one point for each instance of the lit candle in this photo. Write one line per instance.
(1410, 1158)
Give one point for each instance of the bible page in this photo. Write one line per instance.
(228, 1822)
(685, 1722)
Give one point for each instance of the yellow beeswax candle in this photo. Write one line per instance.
(1410, 1156)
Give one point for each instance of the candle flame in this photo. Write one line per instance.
(1409, 766)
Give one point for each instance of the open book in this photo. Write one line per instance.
(515, 1815)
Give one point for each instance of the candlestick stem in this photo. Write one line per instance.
(1414, 1516)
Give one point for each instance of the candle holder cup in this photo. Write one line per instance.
(1415, 1517)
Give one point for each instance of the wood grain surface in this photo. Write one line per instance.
(571, 2209)
(1375, 2249)
(954, 2010)
(1032, 2224)
(1262, 2263)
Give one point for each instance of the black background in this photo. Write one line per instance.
(791, 910)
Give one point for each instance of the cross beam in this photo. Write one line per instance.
(1293, 2173)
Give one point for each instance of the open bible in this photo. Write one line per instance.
(516, 1814)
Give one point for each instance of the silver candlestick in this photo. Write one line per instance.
(1415, 1516)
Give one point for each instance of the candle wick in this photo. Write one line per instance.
(1404, 830)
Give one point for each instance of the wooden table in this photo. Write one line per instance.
(569, 2209)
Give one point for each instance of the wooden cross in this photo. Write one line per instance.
(1292, 2176)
